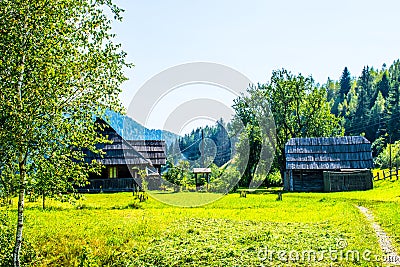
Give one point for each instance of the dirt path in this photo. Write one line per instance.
(390, 255)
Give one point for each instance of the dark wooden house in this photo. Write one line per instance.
(153, 150)
(328, 164)
(122, 163)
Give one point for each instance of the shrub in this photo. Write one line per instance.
(6, 240)
(226, 181)
(274, 178)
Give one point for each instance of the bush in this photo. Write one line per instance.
(383, 159)
(274, 179)
(226, 181)
(7, 239)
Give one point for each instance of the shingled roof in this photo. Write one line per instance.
(154, 150)
(120, 152)
(328, 153)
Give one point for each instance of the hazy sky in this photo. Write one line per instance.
(256, 37)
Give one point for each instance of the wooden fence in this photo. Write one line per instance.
(119, 185)
(392, 174)
(109, 185)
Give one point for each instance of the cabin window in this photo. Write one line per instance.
(112, 172)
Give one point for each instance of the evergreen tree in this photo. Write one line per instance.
(376, 120)
(393, 102)
(330, 90)
(344, 87)
(343, 108)
(345, 82)
(361, 116)
(383, 85)
(352, 100)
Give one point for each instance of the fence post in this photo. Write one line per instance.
(397, 172)
(378, 176)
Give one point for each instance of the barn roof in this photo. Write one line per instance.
(328, 153)
(118, 153)
(201, 170)
(154, 150)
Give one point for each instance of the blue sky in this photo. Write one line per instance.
(256, 37)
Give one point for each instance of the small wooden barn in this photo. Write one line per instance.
(328, 164)
(122, 163)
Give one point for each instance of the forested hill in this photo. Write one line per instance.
(135, 131)
(368, 104)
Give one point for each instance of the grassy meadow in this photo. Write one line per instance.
(116, 230)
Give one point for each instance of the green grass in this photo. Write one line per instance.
(114, 230)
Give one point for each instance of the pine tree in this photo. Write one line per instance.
(393, 102)
(330, 90)
(377, 111)
(383, 85)
(361, 116)
(344, 87)
(345, 82)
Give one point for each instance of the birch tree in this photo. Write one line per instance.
(59, 68)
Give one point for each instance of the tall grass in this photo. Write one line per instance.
(115, 230)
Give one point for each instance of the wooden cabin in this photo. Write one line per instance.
(328, 164)
(122, 163)
(153, 150)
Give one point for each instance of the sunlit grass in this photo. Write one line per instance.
(117, 230)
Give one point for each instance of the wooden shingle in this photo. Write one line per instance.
(328, 153)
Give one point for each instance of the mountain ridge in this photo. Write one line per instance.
(130, 129)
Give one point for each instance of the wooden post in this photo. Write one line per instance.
(279, 198)
(397, 172)
(202, 148)
(390, 153)
(195, 180)
(378, 176)
(208, 180)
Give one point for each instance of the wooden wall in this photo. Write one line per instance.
(327, 181)
(308, 181)
(347, 181)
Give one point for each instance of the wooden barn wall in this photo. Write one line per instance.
(327, 181)
(308, 181)
(347, 181)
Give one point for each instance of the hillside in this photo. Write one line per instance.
(135, 131)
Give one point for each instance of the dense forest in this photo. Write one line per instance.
(217, 145)
(367, 104)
